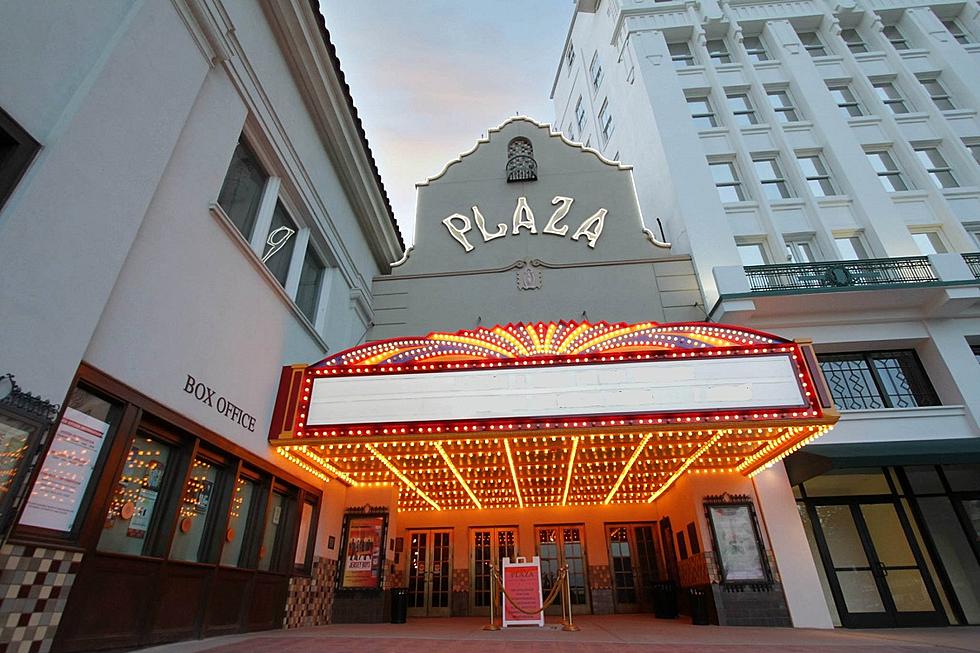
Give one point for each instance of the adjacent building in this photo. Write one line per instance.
(842, 141)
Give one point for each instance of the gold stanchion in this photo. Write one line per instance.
(568, 592)
(493, 599)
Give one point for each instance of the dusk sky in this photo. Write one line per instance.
(429, 77)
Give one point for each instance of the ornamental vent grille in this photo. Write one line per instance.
(521, 165)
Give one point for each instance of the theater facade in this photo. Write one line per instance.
(540, 380)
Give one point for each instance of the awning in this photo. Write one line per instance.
(551, 413)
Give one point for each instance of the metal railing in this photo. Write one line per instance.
(841, 274)
(973, 261)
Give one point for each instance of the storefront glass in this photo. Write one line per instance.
(241, 506)
(196, 504)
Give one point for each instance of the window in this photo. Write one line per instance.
(774, 184)
(853, 40)
(888, 94)
(845, 100)
(278, 252)
(887, 171)
(274, 532)
(812, 44)
(241, 192)
(718, 51)
(895, 37)
(800, 250)
(752, 254)
(939, 95)
(851, 248)
(883, 379)
(957, 31)
(571, 132)
(17, 150)
(816, 175)
(974, 231)
(605, 121)
(680, 54)
(197, 513)
(936, 166)
(701, 112)
(741, 107)
(580, 114)
(783, 106)
(244, 501)
(570, 56)
(755, 50)
(974, 150)
(929, 242)
(595, 71)
(310, 279)
(727, 182)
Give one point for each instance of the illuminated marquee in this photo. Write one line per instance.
(551, 413)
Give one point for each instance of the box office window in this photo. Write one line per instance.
(134, 516)
(199, 505)
(244, 501)
(79, 445)
(275, 526)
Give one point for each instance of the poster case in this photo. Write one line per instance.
(522, 581)
(363, 549)
(737, 541)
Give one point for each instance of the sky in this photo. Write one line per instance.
(429, 77)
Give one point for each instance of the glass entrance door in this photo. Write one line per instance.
(488, 546)
(429, 573)
(876, 571)
(633, 562)
(558, 546)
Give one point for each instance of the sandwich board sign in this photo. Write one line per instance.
(522, 581)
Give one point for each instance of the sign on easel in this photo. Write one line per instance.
(522, 582)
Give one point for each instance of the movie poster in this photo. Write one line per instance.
(362, 555)
(738, 548)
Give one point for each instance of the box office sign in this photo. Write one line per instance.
(209, 397)
(362, 552)
(66, 471)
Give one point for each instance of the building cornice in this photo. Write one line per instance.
(302, 35)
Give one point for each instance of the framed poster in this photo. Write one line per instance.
(363, 551)
(736, 538)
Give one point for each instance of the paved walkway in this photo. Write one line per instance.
(618, 633)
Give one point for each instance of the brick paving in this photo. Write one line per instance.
(619, 633)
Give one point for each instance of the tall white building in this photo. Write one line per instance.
(842, 140)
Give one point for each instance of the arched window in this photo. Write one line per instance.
(521, 165)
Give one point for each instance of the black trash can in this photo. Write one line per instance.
(399, 605)
(665, 600)
(699, 606)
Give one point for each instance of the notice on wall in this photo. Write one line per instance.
(65, 473)
(362, 556)
(522, 593)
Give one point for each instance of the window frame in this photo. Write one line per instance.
(748, 111)
(823, 179)
(927, 156)
(856, 44)
(956, 30)
(937, 92)
(580, 114)
(736, 182)
(935, 237)
(893, 99)
(605, 121)
(816, 44)
(852, 238)
(15, 165)
(759, 245)
(718, 56)
(895, 37)
(756, 53)
(891, 172)
(802, 244)
(786, 112)
(783, 188)
(843, 103)
(711, 115)
(919, 382)
(595, 71)
(685, 59)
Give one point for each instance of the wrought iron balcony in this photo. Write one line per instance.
(909, 271)
(973, 261)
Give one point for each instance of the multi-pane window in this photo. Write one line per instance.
(595, 71)
(279, 244)
(580, 114)
(755, 49)
(310, 279)
(939, 95)
(718, 51)
(881, 379)
(974, 148)
(887, 171)
(727, 182)
(888, 94)
(801, 250)
(741, 107)
(853, 40)
(241, 192)
(570, 56)
(957, 31)
(929, 242)
(782, 104)
(851, 247)
(680, 54)
(816, 174)
(771, 176)
(895, 37)
(846, 100)
(812, 43)
(752, 253)
(936, 166)
(571, 131)
(605, 120)
(702, 112)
